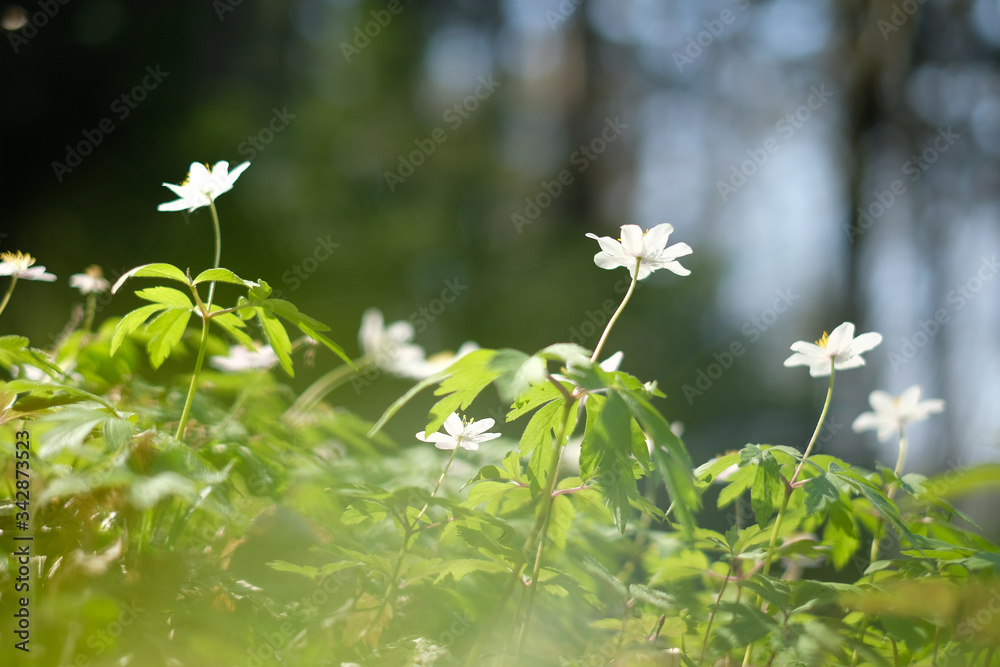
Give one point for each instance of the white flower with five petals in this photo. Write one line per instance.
(892, 413)
(460, 433)
(91, 282)
(649, 250)
(20, 265)
(202, 186)
(839, 350)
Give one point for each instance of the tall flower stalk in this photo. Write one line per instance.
(20, 265)
(200, 188)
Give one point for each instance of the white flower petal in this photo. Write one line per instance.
(657, 237)
(840, 338)
(632, 241)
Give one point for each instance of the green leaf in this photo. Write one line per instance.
(537, 441)
(165, 295)
(513, 384)
(469, 376)
(219, 275)
(561, 520)
(234, 326)
(671, 457)
(287, 310)
(606, 451)
(117, 432)
(536, 396)
(320, 338)
(767, 485)
(168, 271)
(166, 330)
(278, 338)
(570, 354)
(820, 492)
(747, 625)
(131, 322)
(459, 568)
(72, 426)
(145, 492)
(878, 500)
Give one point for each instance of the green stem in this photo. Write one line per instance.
(715, 609)
(819, 426)
(772, 542)
(218, 249)
(548, 501)
(10, 290)
(614, 318)
(409, 529)
(900, 460)
(88, 318)
(203, 345)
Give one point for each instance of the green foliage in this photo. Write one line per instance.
(301, 534)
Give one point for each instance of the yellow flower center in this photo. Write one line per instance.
(18, 259)
(94, 271)
(187, 179)
(824, 340)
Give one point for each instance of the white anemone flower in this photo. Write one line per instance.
(90, 282)
(840, 347)
(202, 186)
(242, 359)
(390, 347)
(651, 248)
(892, 413)
(460, 433)
(20, 265)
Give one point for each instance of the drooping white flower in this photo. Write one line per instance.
(242, 359)
(840, 347)
(20, 265)
(202, 186)
(90, 282)
(460, 433)
(651, 248)
(892, 413)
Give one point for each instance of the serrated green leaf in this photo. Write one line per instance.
(561, 520)
(537, 441)
(469, 376)
(672, 460)
(165, 295)
(767, 485)
(320, 338)
(234, 326)
(144, 492)
(168, 271)
(535, 397)
(287, 311)
(72, 426)
(131, 322)
(220, 276)
(459, 568)
(747, 625)
(606, 451)
(167, 330)
(117, 432)
(513, 385)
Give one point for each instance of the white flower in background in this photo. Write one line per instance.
(242, 359)
(840, 347)
(202, 186)
(389, 347)
(90, 282)
(892, 413)
(20, 265)
(649, 247)
(460, 433)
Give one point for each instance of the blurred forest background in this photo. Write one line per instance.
(827, 161)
